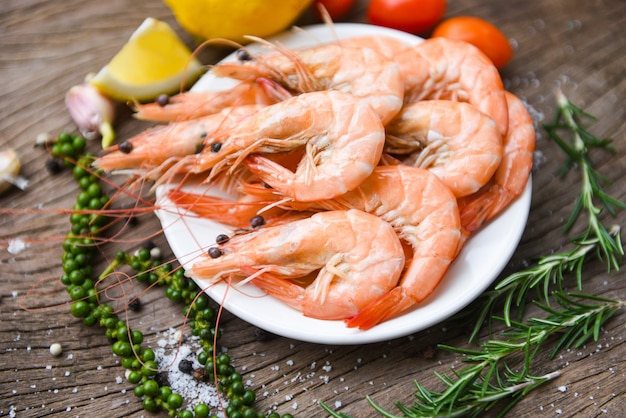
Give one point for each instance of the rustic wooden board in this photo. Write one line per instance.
(46, 47)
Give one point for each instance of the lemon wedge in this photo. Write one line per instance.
(232, 19)
(153, 61)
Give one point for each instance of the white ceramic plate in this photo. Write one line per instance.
(480, 262)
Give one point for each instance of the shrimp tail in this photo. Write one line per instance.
(380, 309)
(476, 211)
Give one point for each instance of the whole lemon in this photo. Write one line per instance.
(232, 19)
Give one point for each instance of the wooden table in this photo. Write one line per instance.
(48, 46)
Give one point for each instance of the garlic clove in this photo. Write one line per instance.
(92, 112)
(9, 171)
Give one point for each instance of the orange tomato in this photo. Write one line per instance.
(413, 16)
(480, 33)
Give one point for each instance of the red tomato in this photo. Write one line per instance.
(335, 8)
(413, 16)
(481, 34)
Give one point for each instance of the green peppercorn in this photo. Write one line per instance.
(84, 183)
(77, 293)
(149, 368)
(94, 190)
(203, 357)
(127, 362)
(148, 355)
(136, 337)
(122, 334)
(175, 401)
(79, 143)
(248, 397)
(89, 320)
(149, 404)
(237, 388)
(79, 172)
(122, 349)
(150, 388)
(138, 391)
(164, 393)
(201, 410)
(80, 309)
(248, 412)
(186, 414)
(111, 323)
(134, 377)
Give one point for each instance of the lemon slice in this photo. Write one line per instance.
(153, 61)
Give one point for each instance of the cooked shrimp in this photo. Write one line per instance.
(454, 140)
(195, 104)
(358, 255)
(441, 68)
(360, 71)
(341, 135)
(385, 45)
(164, 143)
(511, 176)
(424, 213)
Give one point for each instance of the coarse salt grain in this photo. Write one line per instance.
(562, 388)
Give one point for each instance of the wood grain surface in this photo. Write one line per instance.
(48, 46)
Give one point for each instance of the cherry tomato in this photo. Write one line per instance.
(481, 34)
(337, 9)
(413, 16)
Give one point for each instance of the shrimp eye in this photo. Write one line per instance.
(214, 252)
(243, 55)
(216, 147)
(199, 148)
(257, 221)
(162, 100)
(222, 239)
(126, 147)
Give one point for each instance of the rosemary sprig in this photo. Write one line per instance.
(478, 387)
(549, 271)
(571, 119)
(487, 379)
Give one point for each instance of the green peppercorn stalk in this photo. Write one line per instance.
(87, 222)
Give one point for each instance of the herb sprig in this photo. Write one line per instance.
(569, 320)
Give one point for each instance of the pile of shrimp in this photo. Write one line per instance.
(369, 162)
